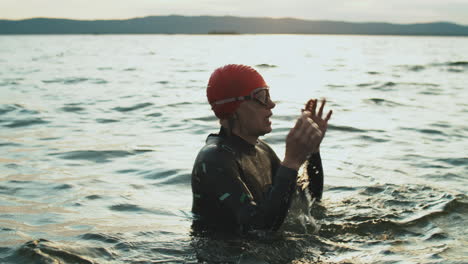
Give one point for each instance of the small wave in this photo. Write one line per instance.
(425, 131)
(346, 129)
(451, 66)
(206, 118)
(10, 81)
(340, 188)
(160, 174)
(176, 179)
(156, 114)
(384, 102)
(167, 177)
(431, 131)
(16, 108)
(9, 190)
(105, 120)
(370, 227)
(101, 237)
(93, 197)
(179, 104)
(63, 187)
(455, 70)
(388, 86)
(455, 161)
(458, 63)
(9, 144)
(366, 84)
(44, 251)
(392, 210)
(264, 65)
(457, 205)
(133, 208)
(127, 171)
(72, 109)
(413, 68)
(442, 124)
(97, 156)
(7, 108)
(26, 122)
(127, 208)
(132, 108)
(371, 190)
(335, 85)
(75, 80)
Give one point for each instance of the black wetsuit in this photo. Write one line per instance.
(238, 187)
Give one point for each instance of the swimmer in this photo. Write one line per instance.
(238, 182)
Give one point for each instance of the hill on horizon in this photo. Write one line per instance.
(176, 24)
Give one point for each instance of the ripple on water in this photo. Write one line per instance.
(9, 144)
(106, 120)
(426, 131)
(45, 251)
(133, 208)
(373, 139)
(132, 108)
(26, 122)
(63, 187)
(127, 208)
(451, 66)
(17, 108)
(463, 161)
(72, 108)
(265, 65)
(392, 210)
(75, 80)
(167, 177)
(106, 238)
(93, 197)
(382, 102)
(346, 129)
(156, 114)
(97, 156)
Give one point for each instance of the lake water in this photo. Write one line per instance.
(99, 133)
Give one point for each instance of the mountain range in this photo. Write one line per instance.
(175, 24)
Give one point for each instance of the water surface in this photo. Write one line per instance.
(99, 133)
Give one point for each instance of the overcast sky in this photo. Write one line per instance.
(394, 11)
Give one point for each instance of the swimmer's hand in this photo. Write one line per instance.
(302, 138)
(311, 107)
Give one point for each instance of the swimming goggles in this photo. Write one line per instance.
(260, 95)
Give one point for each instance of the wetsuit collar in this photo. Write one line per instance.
(235, 140)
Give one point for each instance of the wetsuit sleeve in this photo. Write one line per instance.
(315, 172)
(221, 175)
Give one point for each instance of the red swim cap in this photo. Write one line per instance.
(230, 81)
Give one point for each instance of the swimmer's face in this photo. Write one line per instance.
(253, 118)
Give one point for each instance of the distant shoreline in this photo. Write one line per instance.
(226, 25)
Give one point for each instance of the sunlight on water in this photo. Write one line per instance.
(99, 134)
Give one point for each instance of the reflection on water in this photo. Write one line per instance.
(99, 134)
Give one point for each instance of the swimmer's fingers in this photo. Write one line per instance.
(328, 116)
(313, 107)
(320, 112)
